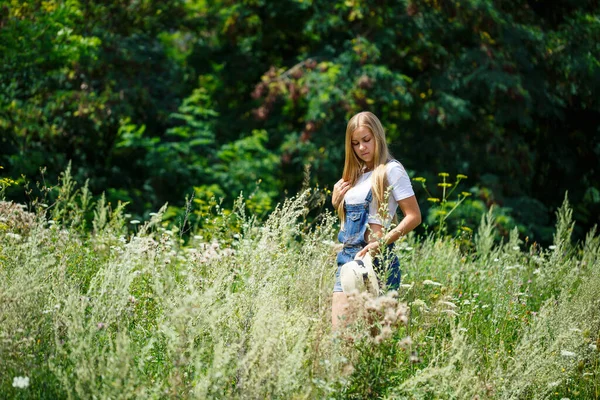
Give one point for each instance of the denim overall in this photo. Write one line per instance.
(353, 237)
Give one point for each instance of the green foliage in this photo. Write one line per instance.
(148, 99)
(71, 72)
(442, 207)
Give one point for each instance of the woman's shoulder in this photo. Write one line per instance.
(395, 167)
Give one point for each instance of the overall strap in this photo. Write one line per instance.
(369, 196)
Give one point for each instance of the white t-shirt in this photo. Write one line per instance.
(401, 189)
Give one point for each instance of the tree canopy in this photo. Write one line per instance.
(151, 100)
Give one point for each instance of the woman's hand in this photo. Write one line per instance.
(339, 191)
(372, 248)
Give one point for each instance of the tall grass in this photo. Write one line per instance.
(90, 310)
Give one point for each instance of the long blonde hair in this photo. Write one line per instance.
(353, 165)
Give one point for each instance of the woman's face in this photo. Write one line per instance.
(363, 144)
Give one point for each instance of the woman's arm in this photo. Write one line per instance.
(412, 219)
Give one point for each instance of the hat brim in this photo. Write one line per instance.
(358, 276)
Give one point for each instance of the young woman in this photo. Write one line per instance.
(371, 178)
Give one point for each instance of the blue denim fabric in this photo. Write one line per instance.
(353, 237)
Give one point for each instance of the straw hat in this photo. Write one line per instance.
(358, 275)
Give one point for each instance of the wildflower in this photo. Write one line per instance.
(406, 285)
(428, 282)
(420, 304)
(20, 382)
(15, 236)
(461, 176)
(406, 342)
(444, 174)
(419, 179)
(444, 185)
(134, 222)
(433, 199)
(567, 353)
(101, 325)
(449, 304)
(386, 332)
(516, 248)
(348, 369)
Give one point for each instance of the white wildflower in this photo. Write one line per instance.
(593, 346)
(406, 342)
(406, 285)
(134, 221)
(448, 303)
(496, 259)
(20, 382)
(552, 247)
(420, 304)
(431, 283)
(15, 236)
(567, 353)
(516, 248)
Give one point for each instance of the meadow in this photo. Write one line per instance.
(92, 309)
